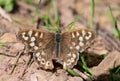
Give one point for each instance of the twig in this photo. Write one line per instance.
(8, 55)
(82, 75)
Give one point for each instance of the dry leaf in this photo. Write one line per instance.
(8, 37)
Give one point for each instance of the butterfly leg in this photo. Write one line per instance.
(19, 55)
(29, 62)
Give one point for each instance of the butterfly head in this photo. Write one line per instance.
(58, 37)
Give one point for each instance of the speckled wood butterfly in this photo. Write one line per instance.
(62, 47)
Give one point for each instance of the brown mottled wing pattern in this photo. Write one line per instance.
(72, 43)
(41, 43)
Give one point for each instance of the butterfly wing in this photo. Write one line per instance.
(72, 43)
(41, 43)
(45, 56)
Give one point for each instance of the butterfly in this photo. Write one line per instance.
(63, 47)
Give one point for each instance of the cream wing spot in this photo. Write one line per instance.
(40, 44)
(38, 54)
(41, 35)
(71, 47)
(77, 33)
(36, 34)
(48, 65)
(81, 43)
(43, 53)
(77, 47)
(24, 37)
(39, 59)
(83, 33)
(73, 35)
(30, 33)
(81, 38)
(68, 61)
(64, 65)
(35, 47)
(89, 36)
(69, 54)
(42, 61)
(32, 39)
(73, 43)
(72, 60)
(32, 44)
(23, 34)
(89, 33)
(74, 56)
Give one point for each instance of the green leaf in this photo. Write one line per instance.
(115, 74)
(73, 23)
(85, 67)
(93, 10)
(8, 7)
(114, 22)
(57, 18)
(72, 72)
(38, 6)
(28, 1)
(2, 2)
(116, 31)
(2, 44)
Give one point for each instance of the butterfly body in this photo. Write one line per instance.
(63, 47)
(58, 38)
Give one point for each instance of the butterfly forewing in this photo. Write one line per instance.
(74, 42)
(35, 39)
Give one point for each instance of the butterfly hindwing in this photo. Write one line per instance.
(45, 56)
